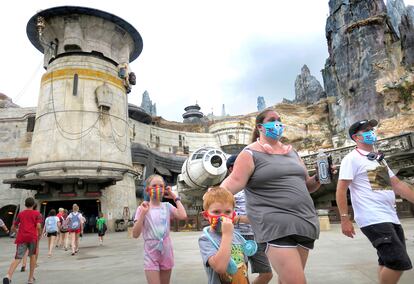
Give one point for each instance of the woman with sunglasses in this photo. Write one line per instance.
(279, 207)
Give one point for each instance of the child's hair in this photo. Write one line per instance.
(100, 215)
(65, 212)
(217, 194)
(150, 178)
(29, 202)
(75, 207)
(52, 212)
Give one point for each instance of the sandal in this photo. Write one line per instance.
(23, 269)
(6, 280)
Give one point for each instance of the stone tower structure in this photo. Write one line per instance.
(81, 145)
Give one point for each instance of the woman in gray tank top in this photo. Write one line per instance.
(278, 203)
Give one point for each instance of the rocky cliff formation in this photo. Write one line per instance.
(147, 104)
(6, 102)
(369, 70)
(308, 90)
(261, 104)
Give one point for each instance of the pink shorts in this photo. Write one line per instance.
(154, 259)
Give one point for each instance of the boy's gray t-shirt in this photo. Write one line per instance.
(207, 250)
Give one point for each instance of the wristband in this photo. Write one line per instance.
(177, 199)
(344, 215)
(316, 178)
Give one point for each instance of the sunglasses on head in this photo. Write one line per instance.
(375, 156)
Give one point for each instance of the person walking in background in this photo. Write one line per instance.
(373, 187)
(75, 227)
(259, 262)
(101, 226)
(39, 237)
(84, 222)
(278, 202)
(152, 219)
(28, 224)
(52, 226)
(59, 215)
(64, 230)
(92, 223)
(4, 227)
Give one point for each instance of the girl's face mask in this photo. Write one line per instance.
(216, 220)
(369, 137)
(156, 192)
(274, 129)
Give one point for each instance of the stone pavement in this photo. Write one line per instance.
(335, 259)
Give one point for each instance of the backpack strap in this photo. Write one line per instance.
(207, 234)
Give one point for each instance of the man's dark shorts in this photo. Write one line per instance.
(389, 240)
(22, 248)
(259, 261)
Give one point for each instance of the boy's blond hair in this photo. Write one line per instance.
(217, 194)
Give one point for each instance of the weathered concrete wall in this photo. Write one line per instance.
(9, 196)
(15, 141)
(168, 139)
(70, 129)
(115, 198)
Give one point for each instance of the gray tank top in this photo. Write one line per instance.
(278, 202)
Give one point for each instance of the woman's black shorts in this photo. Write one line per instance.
(51, 234)
(292, 241)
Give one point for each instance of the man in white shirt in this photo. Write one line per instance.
(373, 187)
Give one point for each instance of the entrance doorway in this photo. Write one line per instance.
(88, 207)
(7, 213)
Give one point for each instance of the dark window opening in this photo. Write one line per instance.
(31, 123)
(72, 48)
(75, 84)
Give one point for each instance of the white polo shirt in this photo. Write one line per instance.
(373, 199)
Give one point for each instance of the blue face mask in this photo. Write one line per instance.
(274, 129)
(369, 137)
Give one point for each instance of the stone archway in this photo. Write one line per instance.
(7, 214)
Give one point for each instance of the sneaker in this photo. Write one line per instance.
(23, 269)
(6, 280)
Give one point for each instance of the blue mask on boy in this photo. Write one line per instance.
(274, 129)
(369, 137)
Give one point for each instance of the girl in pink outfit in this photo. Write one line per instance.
(152, 219)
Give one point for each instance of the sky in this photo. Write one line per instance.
(209, 52)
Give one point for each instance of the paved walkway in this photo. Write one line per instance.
(336, 259)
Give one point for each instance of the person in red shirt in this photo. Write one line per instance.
(28, 224)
